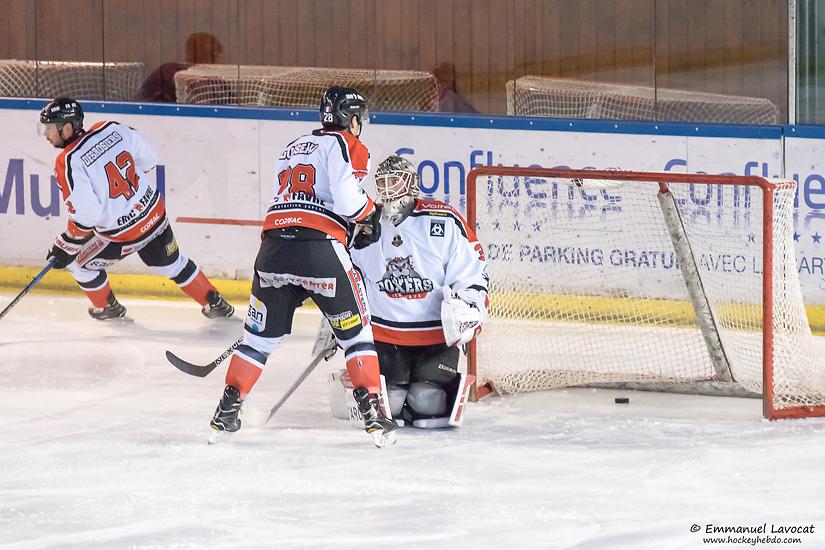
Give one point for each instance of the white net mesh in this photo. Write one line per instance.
(77, 79)
(563, 98)
(303, 86)
(586, 287)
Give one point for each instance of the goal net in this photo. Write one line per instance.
(303, 86)
(78, 79)
(565, 98)
(669, 281)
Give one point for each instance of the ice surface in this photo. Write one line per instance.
(103, 445)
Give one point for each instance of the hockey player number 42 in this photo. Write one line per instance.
(118, 184)
(299, 179)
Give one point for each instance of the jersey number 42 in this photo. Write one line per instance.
(122, 183)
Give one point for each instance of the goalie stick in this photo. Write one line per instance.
(201, 370)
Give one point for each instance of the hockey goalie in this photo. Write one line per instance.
(426, 279)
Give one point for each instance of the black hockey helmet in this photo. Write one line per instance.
(339, 105)
(63, 110)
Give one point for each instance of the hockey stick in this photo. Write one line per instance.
(49, 265)
(325, 347)
(91, 248)
(201, 370)
(311, 367)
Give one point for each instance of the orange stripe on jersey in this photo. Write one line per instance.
(142, 227)
(60, 167)
(368, 209)
(415, 337)
(423, 205)
(303, 218)
(359, 156)
(77, 232)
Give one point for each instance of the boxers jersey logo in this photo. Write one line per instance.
(401, 280)
(436, 229)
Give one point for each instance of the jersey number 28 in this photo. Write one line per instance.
(298, 179)
(118, 184)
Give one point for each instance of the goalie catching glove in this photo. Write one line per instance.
(65, 249)
(460, 319)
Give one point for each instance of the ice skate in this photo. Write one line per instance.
(216, 307)
(226, 421)
(114, 310)
(376, 423)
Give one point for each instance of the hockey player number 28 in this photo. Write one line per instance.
(118, 185)
(299, 179)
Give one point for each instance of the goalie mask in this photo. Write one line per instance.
(396, 182)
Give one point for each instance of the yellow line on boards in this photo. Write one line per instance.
(613, 310)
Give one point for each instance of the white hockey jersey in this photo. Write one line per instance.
(318, 184)
(102, 179)
(405, 270)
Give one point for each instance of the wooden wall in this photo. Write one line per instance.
(724, 46)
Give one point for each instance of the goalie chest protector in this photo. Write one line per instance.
(405, 271)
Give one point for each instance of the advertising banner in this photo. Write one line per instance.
(217, 173)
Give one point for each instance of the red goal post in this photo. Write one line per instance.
(642, 279)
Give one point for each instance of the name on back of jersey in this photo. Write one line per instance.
(303, 148)
(98, 149)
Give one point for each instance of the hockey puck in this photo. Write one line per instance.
(622, 400)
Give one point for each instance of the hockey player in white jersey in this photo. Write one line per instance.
(303, 254)
(426, 281)
(114, 210)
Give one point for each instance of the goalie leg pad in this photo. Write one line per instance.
(427, 399)
(432, 423)
(337, 390)
(397, 395)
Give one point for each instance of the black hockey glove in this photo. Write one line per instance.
(369, 230)
(64, 250)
